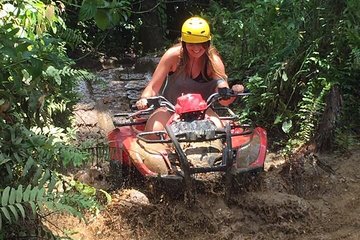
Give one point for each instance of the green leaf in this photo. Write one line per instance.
(29, 163)
(57, 79)
(9, 51)
(16, 155)
(87, 11)
(27, 192)
(53, 72)
(36, 67)
(33, 193)
(21, 209)
(40, 195)
(88, 190)
(85, 189)
(52, 184)
(33, 207)
(278, 119)
(124, 15)
(19, 193)
(40, 206)
(102, 19)
(9, 171)
(22, 47)
(115, 17)
(14, 212)
(286, 126)
(5, 197)
(45, 177)
(18, 141)
(37, 176)
(12, 196)
(49, 205)
(6, 213)
(107, 195)
(3, 160)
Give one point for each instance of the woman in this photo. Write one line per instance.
(193, 66)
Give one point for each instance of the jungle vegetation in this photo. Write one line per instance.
(299, 59)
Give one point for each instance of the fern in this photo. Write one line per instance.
(40, 233)
(67, 71)
(310, 108)
(76, 73)
(26, 155)
(355, 63)
(33, 233)
(87, 10)
(15, 202)
(72, 37)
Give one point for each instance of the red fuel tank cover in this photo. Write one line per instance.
(190, 103)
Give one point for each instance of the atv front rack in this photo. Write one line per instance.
(191, 136)
(169, 137)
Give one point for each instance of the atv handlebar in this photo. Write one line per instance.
(223, 94)
(160, 101)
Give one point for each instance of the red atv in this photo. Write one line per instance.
(191, 142)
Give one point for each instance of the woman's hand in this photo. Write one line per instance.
(238, 88)
(142, 103)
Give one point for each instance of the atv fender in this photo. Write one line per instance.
(149, 158)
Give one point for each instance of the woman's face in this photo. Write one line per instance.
(195, 50)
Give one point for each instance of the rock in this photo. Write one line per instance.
(92, 177)
(133, 196)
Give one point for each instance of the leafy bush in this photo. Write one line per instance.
(36, 78)
(289, 54)
(37, 84)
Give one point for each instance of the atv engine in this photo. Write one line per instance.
(199, 149)
(194, 130)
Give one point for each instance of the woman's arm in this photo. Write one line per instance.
(221, 77)
(167, 63)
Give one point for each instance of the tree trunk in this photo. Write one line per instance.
(324, 137)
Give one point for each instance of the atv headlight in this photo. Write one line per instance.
(248, 153)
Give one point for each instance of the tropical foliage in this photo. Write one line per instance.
(289, 54)
(37, 86)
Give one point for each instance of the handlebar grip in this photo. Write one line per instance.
(153, 102)
(225, 93)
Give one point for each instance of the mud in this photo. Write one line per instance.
(280, 203)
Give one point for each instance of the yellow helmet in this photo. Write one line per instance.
(195, 30)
